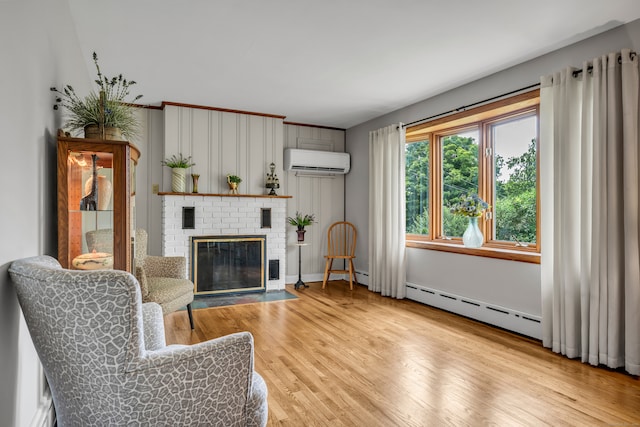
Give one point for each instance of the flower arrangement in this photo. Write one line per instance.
(301, 220)
(234, 178)
(178, 162)
(470, 206)
(118, 112)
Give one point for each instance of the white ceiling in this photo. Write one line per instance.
(326, 62)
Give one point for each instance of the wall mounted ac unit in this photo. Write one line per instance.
(316, 162)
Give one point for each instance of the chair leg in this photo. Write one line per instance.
(190, 316)
(353, 268)
(327, 268)
(350, 275)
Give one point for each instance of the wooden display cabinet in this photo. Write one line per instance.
(85, 207)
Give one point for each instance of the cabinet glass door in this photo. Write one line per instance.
(90, 207)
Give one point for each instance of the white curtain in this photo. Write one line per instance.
(387, 211)
(589, 160)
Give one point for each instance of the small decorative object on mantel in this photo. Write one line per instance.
(301, 221)
(194, 178)
(471, 207)
(178, 165)
(233, 181)
(106, 114)
(272, 180)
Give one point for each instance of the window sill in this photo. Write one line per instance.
(484, 251)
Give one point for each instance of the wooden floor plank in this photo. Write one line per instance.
(336, 357)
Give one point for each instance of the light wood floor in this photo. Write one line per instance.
(339, 358)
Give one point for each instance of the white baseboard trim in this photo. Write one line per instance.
(362, 277)
(313, 277)
(512, 320)
(45, 415)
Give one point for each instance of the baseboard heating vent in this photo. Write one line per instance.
(362, 276)
(470, 302)
(498, 310)
(512, 320)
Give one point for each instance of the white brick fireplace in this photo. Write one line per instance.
(222, 215)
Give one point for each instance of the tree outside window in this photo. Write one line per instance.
(494, 155)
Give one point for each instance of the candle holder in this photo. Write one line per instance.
(272, 180)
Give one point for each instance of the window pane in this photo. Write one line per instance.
(459, 177)
(417, 187)
(515, 207)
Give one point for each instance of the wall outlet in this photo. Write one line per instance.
(155, 188)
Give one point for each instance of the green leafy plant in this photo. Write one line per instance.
(234, 178)
(300, 220)
(178, 161)
(82, 112)
(469, 206)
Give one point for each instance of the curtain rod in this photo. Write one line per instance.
(576, 73)
(464, 107)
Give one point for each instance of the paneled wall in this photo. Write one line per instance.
(222, 142)
(322, 196)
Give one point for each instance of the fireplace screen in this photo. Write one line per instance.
(223, 264)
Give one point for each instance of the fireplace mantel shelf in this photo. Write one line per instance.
(265, 196)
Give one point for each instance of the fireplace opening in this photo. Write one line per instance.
(224, 264)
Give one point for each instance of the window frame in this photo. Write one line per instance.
(481, 118)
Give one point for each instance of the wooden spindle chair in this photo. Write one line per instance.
(341, 240)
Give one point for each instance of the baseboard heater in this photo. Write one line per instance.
(512, 320)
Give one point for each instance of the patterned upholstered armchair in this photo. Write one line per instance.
(105, 358)
(162, 279)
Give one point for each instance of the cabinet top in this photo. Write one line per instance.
(92, 144)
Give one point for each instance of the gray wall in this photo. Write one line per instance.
(509, 284)
(149, 173)
(322, 196)
(38, 45)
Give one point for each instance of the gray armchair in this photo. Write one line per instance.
(105, 358)
(162, 279)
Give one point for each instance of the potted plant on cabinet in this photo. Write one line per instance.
(108, 109)
(301, 221)
(178, 165)
(233, 181)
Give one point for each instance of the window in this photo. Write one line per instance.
(490, 151)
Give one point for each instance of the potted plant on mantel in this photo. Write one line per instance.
(233, 181)
(107, 109)
(301, 221)
(178, 165)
